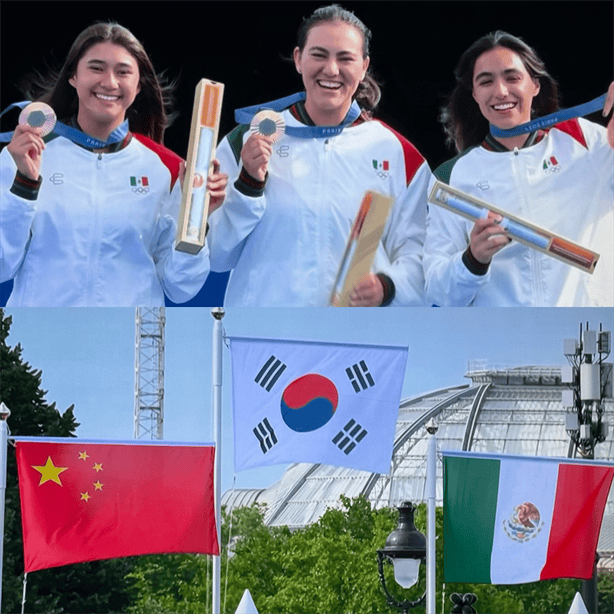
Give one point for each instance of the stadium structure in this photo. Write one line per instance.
(518, 411)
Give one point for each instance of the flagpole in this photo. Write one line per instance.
(216, 388)
(4, 442)
(431, 493)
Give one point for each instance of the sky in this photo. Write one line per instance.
(87, 357)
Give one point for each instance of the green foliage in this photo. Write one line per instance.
(330, 566)
(605, 588)
(100, 586)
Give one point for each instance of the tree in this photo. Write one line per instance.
(330, 566)
(100, 586)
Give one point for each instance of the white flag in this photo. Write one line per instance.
(301, 401)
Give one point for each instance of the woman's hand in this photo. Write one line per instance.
(216, 186)
(27, 147)
(255, 155)
(487, 238)
(368, 292)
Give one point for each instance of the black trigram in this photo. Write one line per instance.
(266, 435)
(270, 372)
(359, 376)
(351, 435)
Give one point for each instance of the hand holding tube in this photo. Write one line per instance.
(487, 238)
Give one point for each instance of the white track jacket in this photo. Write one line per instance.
(285, 247)
(563, 183)
(100, 233)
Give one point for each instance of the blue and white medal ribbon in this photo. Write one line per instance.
(246, 114)
(549, 120)
(76, 136)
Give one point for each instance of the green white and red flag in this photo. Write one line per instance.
(86, 501)
(512, 519)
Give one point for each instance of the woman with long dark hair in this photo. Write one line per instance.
(559, 178)
(90, 220)
(290, 206)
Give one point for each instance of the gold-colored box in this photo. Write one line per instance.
(362, 244)
(192, 223)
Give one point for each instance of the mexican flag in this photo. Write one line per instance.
(514, 519)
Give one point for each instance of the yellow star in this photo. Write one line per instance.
(98, 466)
(85, 496)
(83, 455)
(98, 485)
(49, 472)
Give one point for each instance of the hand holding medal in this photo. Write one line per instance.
(26, 147)
(266, 128)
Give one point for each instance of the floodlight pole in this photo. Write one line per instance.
(216, 388)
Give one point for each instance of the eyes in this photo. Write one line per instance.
(486, 81)
(121, 71)
(320, 55)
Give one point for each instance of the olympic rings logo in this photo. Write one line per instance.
(381, 174)
(552, 169)
(140, 190)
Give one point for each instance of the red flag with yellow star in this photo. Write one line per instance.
(84, 501)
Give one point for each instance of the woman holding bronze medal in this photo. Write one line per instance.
(89, 211)
(298, 177)
(519, 152)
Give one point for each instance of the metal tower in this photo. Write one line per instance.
(589, 379)
(149, 373)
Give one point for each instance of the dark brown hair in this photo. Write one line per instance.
(368, 93)
(148, 115)
(462, 119)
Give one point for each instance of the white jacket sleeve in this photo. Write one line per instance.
(181, 274)
(16, 215)
(231, 224)
(403, 241)
(448, 282)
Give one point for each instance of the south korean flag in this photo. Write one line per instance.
(302, 401)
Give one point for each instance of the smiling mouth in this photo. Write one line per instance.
(106, 97)
(329, 85)
(504, 106)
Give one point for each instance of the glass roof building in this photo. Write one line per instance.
(503, 410)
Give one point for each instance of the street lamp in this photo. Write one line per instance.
(405, 549)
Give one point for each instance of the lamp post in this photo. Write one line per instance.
(405, 549)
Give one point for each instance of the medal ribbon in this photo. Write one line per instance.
(245, 115)
(549, 120)
(76, 136)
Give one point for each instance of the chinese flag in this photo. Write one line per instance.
(85, 501)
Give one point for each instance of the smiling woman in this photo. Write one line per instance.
(107, 82)
(284, 226)
(559, 179)
(504, 90)
(332, 65)
(91, 220)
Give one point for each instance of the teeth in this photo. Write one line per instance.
(504, 107)
(329, 84)
(103, 97)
